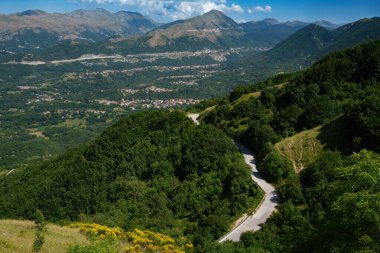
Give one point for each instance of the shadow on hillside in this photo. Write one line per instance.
(337, 135)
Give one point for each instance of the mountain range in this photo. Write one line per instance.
(217, 28)
(35, 29)
(212, 30)
(312, 42)
(272, 31)
(287, 46)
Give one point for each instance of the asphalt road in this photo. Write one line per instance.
(267, 206)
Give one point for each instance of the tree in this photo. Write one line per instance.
(275, 167)
(39, 220)
(237, 93)
(365, 120)
(268, 97)
(259, 135)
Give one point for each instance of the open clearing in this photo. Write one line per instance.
(17, 236)
(302, 149)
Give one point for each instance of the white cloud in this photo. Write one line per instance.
(174, 9)
(266, 8)
(236, 7)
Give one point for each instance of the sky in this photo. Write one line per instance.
(336, 11)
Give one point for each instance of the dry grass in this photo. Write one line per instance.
(243, 98)
(302, 149)
(257, 94)
(281, 85)
(38, 134)
(17, 236)
(73, 123)
(246, 97)
(3, 172)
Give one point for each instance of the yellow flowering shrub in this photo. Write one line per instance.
(148, 241)
(101, 231)
(137, 241)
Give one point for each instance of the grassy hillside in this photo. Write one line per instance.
(304, 148)
(301, 149)
(3, 172)
(17, 236)
(256, 94)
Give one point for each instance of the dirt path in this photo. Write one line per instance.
(9, 172)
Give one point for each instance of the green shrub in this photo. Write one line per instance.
(275, 167)
(38, 242)
(97, 246)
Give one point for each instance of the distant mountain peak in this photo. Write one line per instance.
(213, 19)
(31, 13)
(210, 28)
(303, 43)
(91, 25)
(214, 12)
(296, 23)
(325, 21)
(364, 20)
(313, 25)
(374, 22)
(129, 13)
(327, 24)
(91, 11)
(101, 10)
(271, 21)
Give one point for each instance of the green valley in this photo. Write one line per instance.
(198, 182)
(200, 135)
(98, 83)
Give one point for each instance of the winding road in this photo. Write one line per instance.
(266, 207)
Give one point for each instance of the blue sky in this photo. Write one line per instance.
(337, 11)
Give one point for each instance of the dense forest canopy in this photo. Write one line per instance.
(343, 83)
(154, 170)
(332, 203)
(158, 170)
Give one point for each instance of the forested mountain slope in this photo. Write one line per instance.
(333, 203)
(154, 170)
(311, 43)
(158, 170)
(343, 83)
(270, 32)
